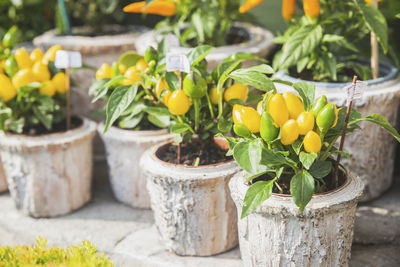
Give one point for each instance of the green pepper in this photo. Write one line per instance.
(194, 86)
(115, 69)
(319, 105)
(10, 38)
(11, 66)
(150, 54)
(268, 130)
(241, 130)
(326, 118)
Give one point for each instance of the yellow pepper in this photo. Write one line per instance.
(369, 2)
(178, 103)
(288, 9)
(249, 4)
(311, 8)
(289, 132)
(164, 8)
(312, 142)
(247, 116)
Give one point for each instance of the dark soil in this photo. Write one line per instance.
(308, 76)
(208, 152)
(235, 35)
(144, 125)
(284, 183)
(57, 127)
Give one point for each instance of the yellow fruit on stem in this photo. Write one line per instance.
(23, 77)
(36, 55)
(141, 65)
(277, 108)
(289, 132)
(214, 95)
(23, 59)
(312, 142)
(122, 68)
(236, 91)
(247, 116)
(41, 71)
(294, 105)
(50, 54)
(48, 89)
(7, 90)
(60, 82)
(306, 122)
(178, 103)
(132, 76)
(104, 72)
(162, 85)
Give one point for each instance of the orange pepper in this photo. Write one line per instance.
(288, 9)
(311, 8)
(165, 8)
(249, 4)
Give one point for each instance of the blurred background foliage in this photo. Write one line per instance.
(34, 17)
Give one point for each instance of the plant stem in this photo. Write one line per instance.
(374, 50)
(179, 153)
(196, 113)
(210, 105)
(280, 188)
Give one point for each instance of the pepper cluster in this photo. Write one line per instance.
(283, 117)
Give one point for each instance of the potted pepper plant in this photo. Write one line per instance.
(208, 22)
(135, 121)
(297, 203)
(48, 167)
(321, 47)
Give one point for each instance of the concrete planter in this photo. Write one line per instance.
(3, 181)
(193, 210)
(278, 234)
(372, 148)
(260, 44)
(51, 174)
(123, 150)
(95, 51)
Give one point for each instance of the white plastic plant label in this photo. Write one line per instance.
(177, 62)
(355, 91)
(68, 59)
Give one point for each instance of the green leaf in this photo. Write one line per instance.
(274, 159)
(253, 78)
(241, 130)
(119, 100)
(248, 56)
(256, 195)
(179, 128)
(102, 91)
(300, 44)
(198, 54)
(97, 86)
(320, 169)
(307, 159)
(297, 146)
(263, 68)
(248, 156)
(302, 188)
(198, 25)
(158, 111)
(381, 121)
(159, 121)
(224, 125)
(45, 118)
(172, 81)
(306, 91)
(330, 65)
(131, 122)
(376, 22)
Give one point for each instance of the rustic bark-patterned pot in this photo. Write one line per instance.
(95, 51)
(49, 175)
(259, 44)
(3, 181)
(278, 234)
(372, 148)
(192, 207)
(123, 151)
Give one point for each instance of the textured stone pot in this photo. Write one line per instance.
(372, 148)
(259, 44)
(193, 210)
(51, 174)
(123, 150)
(3, 181)
(95, 51)
(278, 234)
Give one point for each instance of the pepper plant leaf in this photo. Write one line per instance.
(253, 77)
(120, 99)
(248, 156)
(306, 91)
(381, 121)
(376, 22)
(198, 54)
(300, 44)
(302, 188)
(320, 169)
(307, 159)
(255, 195)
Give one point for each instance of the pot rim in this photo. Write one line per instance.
(389, 72)
(159, 146)
(87, 127)
(100, 128)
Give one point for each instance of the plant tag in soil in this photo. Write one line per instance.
(177, 62)
(355, 91)
(68, 59)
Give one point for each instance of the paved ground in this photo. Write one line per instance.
(127, 235)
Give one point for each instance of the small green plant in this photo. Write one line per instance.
(288, 145)
(196, 22)
(326, 42)
(84, 255)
